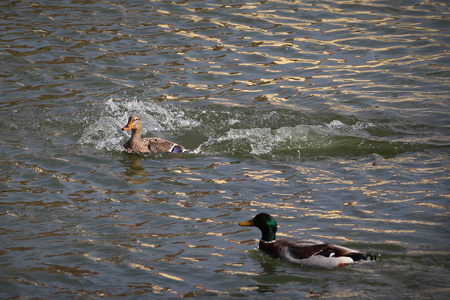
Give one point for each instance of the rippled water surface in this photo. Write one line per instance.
(333, 116)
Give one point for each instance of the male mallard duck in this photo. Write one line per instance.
(147, 145)
(308, 252)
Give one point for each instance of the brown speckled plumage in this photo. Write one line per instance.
(147, 145)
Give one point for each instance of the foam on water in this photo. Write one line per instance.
(236, 132)
(106, 133)
(295, 141)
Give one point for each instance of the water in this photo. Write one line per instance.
(330, 115)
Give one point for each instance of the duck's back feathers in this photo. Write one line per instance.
(306, 249)
(299, 250)
(156, 145)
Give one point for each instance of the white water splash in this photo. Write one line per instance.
(259, 141)
(336, 124)
(106, 132)
(288, 139)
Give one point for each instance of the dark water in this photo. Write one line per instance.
(333, 116)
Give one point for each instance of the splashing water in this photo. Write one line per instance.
(240, 132)
(106, 132)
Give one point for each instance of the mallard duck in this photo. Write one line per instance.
(308, 252)
(147, 145)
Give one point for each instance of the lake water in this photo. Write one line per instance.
(332, 116)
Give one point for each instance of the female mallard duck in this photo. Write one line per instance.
(147, 145)
(309, 252)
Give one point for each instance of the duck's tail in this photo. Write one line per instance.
(360, 256)
(370, 256)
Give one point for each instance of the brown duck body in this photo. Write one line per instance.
(147, 145)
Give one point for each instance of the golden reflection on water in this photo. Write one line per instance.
(335, 215)
(139, 267)
(307, 58)
(385, 230)
(336, 21)
(173, 277)
(265, 175)
(431, 205)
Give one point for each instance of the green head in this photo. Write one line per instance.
(266, 224)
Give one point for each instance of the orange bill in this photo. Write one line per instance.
(129, 126)
(247, 223)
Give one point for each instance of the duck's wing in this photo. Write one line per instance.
(306, 249)
(319, 254)
(156, 145)
(146, 141)
(302, 249)
(339, 251)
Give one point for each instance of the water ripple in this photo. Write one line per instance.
(331, 115)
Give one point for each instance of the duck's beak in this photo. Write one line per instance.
(247, 223)
(129, 126)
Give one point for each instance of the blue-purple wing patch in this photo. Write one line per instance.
(176, 149)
